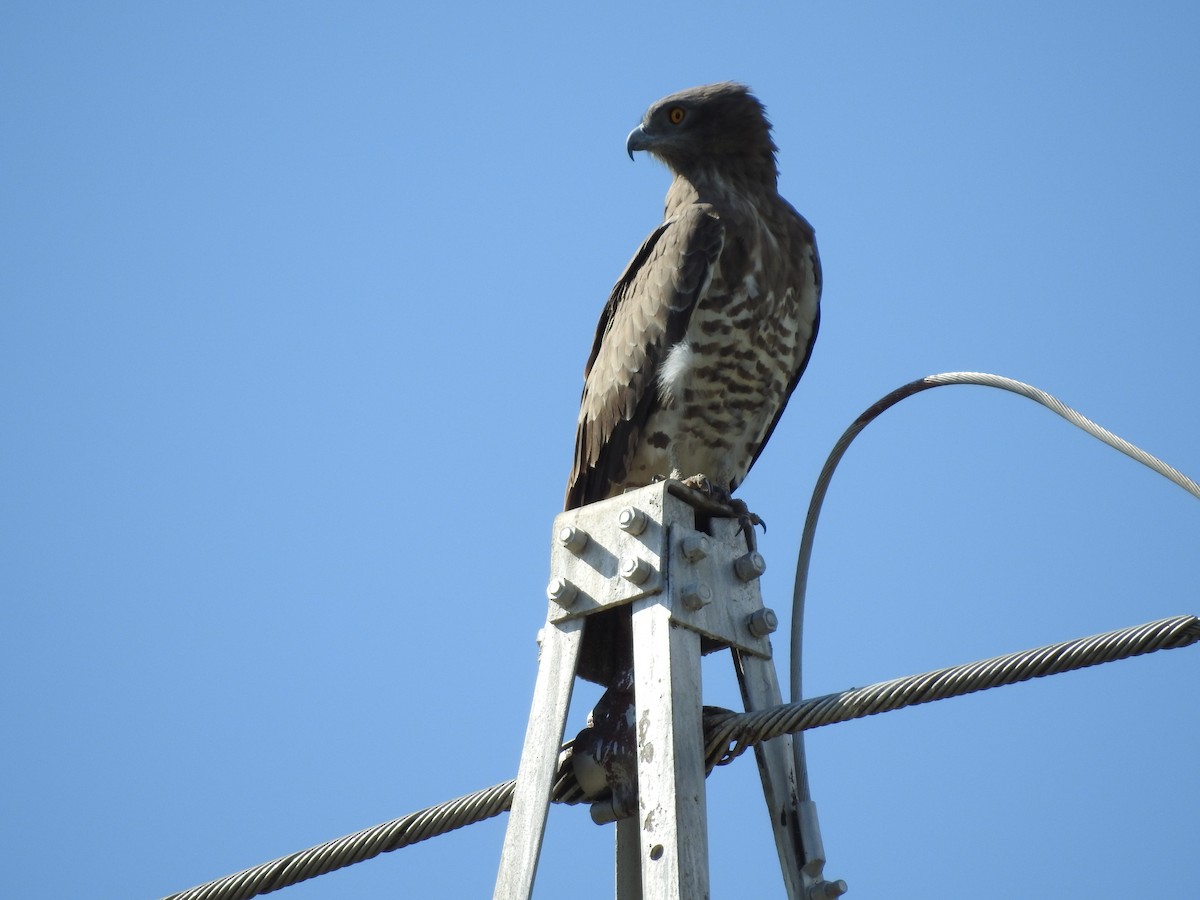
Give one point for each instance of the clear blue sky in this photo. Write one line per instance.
(295, 303)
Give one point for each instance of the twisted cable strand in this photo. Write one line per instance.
(1057, 406)
(727, 736)
(357, 847)
(744, 730)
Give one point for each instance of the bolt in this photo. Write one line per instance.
(749, 566)
(574, 539)
(610, 810)
(562, 591)
(695, 547)
(604, 811)
(827, 890)
(632, 520)
(634, 569)
(762, 622)
(696, 596)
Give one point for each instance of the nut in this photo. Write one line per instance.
(562, 591)
(574, 539)
(762, 622)
(749, 566)
(635, 569)
(632, 520)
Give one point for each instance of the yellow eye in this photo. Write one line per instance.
(676, 115)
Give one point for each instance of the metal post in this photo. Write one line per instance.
(691, 584)
(670, 758)
(629, 859)
(760, 690)
(539, 760)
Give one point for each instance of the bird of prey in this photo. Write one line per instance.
(712, 323)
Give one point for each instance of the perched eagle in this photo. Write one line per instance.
(710, 327)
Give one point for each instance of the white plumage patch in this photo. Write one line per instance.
(673, 372)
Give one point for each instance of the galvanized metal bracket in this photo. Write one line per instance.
(645, 543)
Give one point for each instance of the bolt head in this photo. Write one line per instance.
(632, 520)
(696, 596)
(562, 591)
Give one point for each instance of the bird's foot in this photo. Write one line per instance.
(729, 505)
(746, 521)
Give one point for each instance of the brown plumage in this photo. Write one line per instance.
(712, 323)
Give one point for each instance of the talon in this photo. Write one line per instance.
(746, 521)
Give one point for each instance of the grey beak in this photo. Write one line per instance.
(637, 140)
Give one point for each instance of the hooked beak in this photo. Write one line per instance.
(637, 140)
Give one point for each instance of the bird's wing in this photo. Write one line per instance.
(805, 275)
(647, 312)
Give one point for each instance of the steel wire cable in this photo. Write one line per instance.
(727, 736)
(983, 379)
(357, 847)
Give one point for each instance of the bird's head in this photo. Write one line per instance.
(722, 126)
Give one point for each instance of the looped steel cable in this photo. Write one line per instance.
(983, 379)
